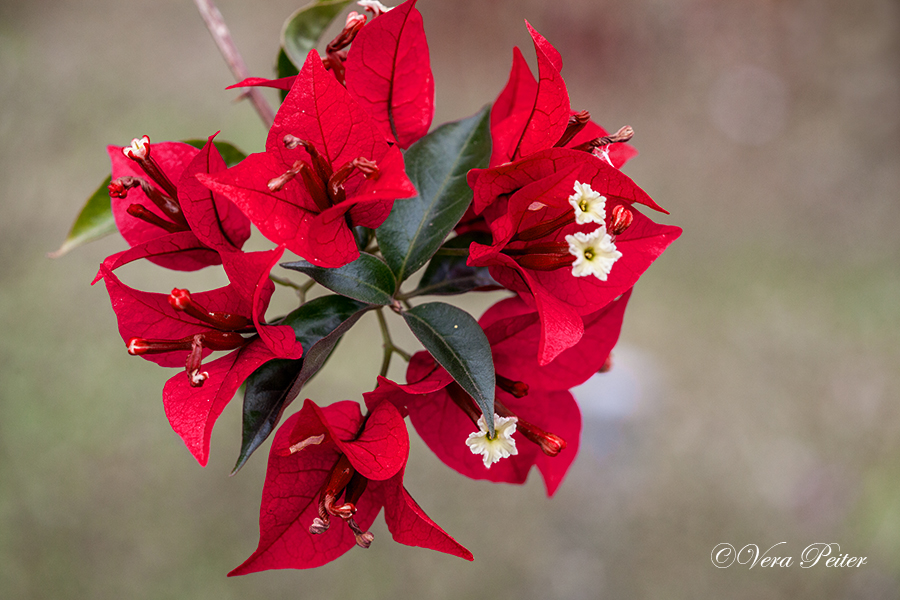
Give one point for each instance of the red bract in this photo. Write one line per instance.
(531, 115)
(534, 230)
(389, 72)
(326, 168)
(156, 195)
(182, 329)
(444, 415)
(329, 465)
(514, 331)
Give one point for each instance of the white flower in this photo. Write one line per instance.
(502, 445)
(590, 207)
(594, 253)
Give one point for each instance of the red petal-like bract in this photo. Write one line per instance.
(514, 331)
(444, 426)
(525, 125)
(294, 481)
(517, 113)
(192, 411)
(213, 218)
(388, 70)
(320, 111)
(521, 195)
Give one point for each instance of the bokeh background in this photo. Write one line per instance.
(755, 396)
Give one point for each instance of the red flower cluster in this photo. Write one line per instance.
(559, 226)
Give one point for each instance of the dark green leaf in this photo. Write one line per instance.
(230, 154)
(318, 325)
(448, 274)
(457, 342)
(437, 165)
(366, 279)
(94, 221)
(302, 29)
(284, 68)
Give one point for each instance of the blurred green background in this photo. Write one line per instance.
(754, 397)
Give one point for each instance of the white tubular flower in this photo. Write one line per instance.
(500, 446)
(139, 148)
(590, 207)
(594, 253)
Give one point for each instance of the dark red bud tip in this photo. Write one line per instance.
(180, 299)
(518, 389)
(622, 219)
(551, 444)
(117, 189)
(318, 526)
(607, 365)
(137, 346)
(575, 125)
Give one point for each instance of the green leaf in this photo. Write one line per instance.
(457, 342)
(437, 165)
(302, 29)
(448, 274)
(230, 154)
(94, 221)
(366, 279)
(318, 325)
(284, 68)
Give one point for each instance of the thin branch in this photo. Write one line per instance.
(222, 36)
(389, 347)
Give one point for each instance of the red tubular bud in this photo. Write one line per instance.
(368, 168)
(141, 212)
(551, 444)
(622, 135)
(464, 401)
(543, 229)
(340, 476)
(181, 300)
(543, 256)
(621, 220)
(518, 389)
(576, 124)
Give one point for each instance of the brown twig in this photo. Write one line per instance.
(219, 31)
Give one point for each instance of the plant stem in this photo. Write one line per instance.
(389, 347)
(452, 252)
(215, 23)
(301, 289)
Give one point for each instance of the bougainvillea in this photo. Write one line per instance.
(524, 199)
